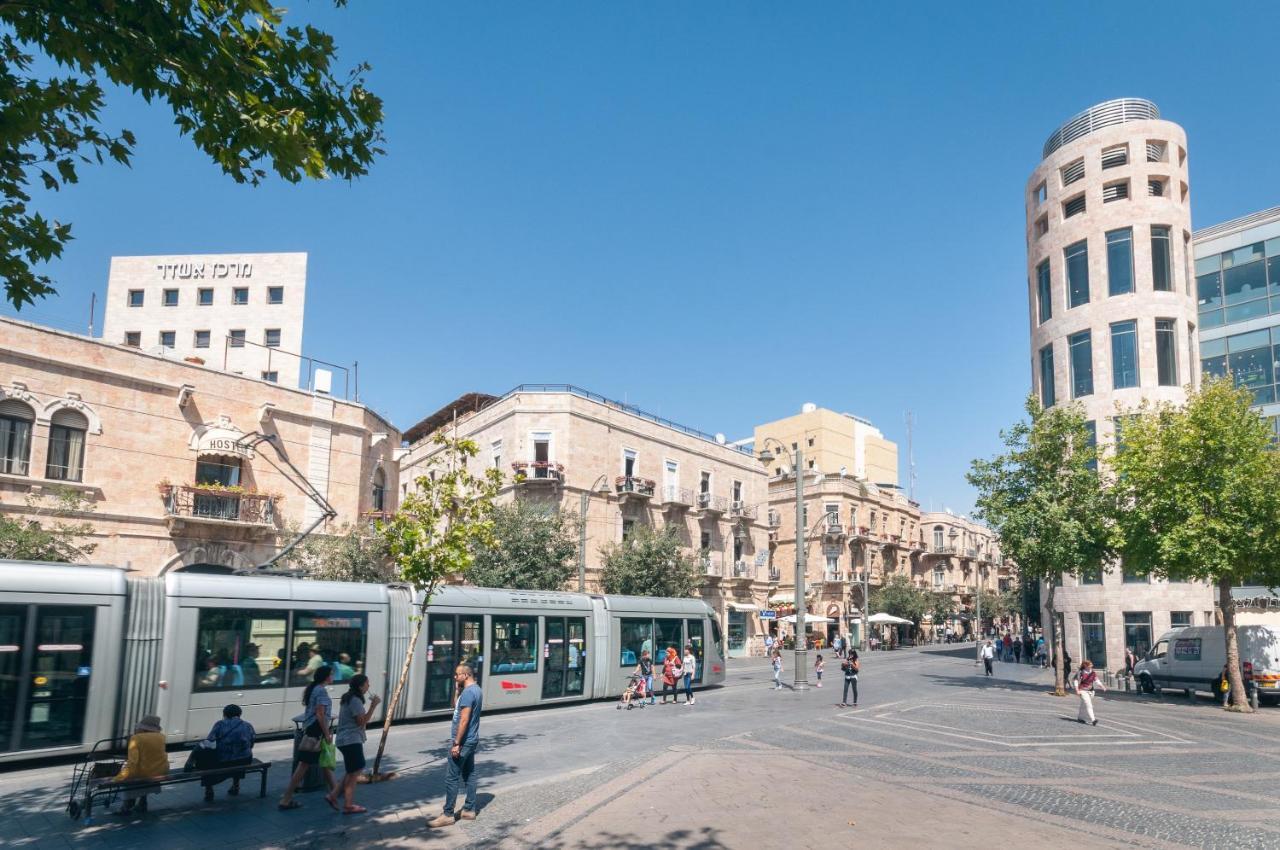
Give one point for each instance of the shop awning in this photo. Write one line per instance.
(782, 599)
(743, 606)
(220, 441)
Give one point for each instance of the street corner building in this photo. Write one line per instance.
(618, 466)
(164, 456)
(1113, 322)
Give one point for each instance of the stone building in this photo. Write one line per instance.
(617, 466)
(834, 443)
(1113, 322)
(165, 454)
(238, 312)
(958, 556)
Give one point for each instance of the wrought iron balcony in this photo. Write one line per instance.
(775, 520)
(676, 498)
(711, 505)
(742, 569)
(538, 472)
(775, 574)
(833, 530)
(741, 510)
(711, 565)
(226, 508)
(943, 550)
(632, 487)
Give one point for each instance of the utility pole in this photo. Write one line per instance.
(802, 643)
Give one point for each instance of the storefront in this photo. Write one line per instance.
(739, 628)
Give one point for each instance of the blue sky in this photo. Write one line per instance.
(717, 211)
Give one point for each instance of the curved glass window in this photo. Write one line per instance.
(1124, 354)
(1120, 261)
(1166, 353)
(1047, 390)
(1077, 261)
(1081, 348)
(1161, 259)
(1044, 292)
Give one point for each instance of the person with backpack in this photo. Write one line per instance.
(850, 667)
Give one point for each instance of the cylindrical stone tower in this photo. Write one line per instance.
(1109, 262)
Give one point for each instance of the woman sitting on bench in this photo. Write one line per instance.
(146, 760)
(229, 744)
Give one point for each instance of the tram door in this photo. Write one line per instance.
(452, 639)
(694, 629)
(45, 653)
(566, 655)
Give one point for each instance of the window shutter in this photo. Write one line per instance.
(17, 409)
(69, 418)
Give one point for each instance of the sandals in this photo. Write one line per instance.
(354, 810)
(333, 804)
(289, 806)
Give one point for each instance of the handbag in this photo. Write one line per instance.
(311, 739)
(328, 755)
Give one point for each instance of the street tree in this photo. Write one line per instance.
(53, 528)
(255, 95)
(534, 548)
(353, 553)
(649, 563)
(1045, 500)
(940, 607)
(897, 596)
(1198, 499)
(434, 536)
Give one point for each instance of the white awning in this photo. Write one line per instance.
(220, 441)
(808, 618)
(743, 606)
(782, 599)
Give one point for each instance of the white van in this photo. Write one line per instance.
(1192, 659)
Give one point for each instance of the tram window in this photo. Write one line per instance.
(694, 629)
(240, 648)
(515, 645)
(60, 672)
(717, 640)
(335, 638)
(670, 633)
(637, 637)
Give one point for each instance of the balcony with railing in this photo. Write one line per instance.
(775, 574)
(226, 509)
(834, 577)
(743, 569)
(833, 530)
(711, 505)
(711, 565)
(741, 510)
(538, 472)
(676, 498)
(633, 488)
(943, 551)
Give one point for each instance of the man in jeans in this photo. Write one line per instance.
(464, 737)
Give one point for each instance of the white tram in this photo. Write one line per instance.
(87, 651)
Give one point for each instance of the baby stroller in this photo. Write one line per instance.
(634, 692)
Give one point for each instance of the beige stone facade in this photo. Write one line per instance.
(238, 312)
(135, 432)
(616, 465)
(833, 443)
(1112, 315)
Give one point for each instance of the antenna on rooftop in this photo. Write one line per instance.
(911, 457)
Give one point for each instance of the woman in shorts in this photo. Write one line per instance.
(352, 719)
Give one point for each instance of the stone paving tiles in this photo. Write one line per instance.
(1189, 799)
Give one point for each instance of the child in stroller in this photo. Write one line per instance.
(635, 690)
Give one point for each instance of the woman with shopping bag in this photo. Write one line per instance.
(315, 735)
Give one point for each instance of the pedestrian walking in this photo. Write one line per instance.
(353, 717)
(1008, 648)
(988, 656)
(670, 674)
(1130, 659)
(1084, 683)
(817, 670)
(146, 759)
(850, 668)
(316, 733)
(776, 663)
(837, 646)
(689, 664)
(1017, 649)
(768, 644)
(1041, 655)
(464, 737)
(646, 670)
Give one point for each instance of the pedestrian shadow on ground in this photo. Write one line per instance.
(981, 682)
(488, 744)
(705, 838)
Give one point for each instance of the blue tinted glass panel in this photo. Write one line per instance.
(1044, 291)
(1166, 353)
(1120, 261)
(1240, 312)
(1124, 354)
(1161, 259)
(1209, 290)
(1211, 319)
(1273, 275)
(1214, 367)
(1047, 390)
(1244, 283)
(1077, 258)
(1081, 346)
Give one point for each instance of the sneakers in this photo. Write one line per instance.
(467, 814)
(1095, 722)
(443, 820)
(691, 701)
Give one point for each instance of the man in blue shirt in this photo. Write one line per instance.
(464, 739)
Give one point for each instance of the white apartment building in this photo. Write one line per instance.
(241, 313)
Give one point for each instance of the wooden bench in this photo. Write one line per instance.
(108, 787)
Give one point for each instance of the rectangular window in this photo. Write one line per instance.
(1179, 619)
(1131, 576)
(135, 297)
(237, 338)
(668, 632)
(1081, 348)
(1120, 261)
(1161, 259)
(271, 337)
(1042, 194)
(133, 338)
(275, 294)
(240, 295)
(636, 637)
(1047, 393)
(1157, 151)
(204, 297)
(1092, 440)
(170, 298)
(1072, 171)
(1155, 187)
(1093, 639)
(240, 648)
(66, 454)
(168, 339)
(272, 376)
(629, 463)
(202, 339)
(1115, 156)
(1118, 191)
(1191, 354)
(1137, 632)
(333, 638)
(1075, 206)
(1251, 363)
(515, 645)
(1042, 226)
(693, 628)
(1166, 353)
(1044, 292)
(1093, 576)
(1077, 263)
(1124, 355)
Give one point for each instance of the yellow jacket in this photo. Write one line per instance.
(147, 758)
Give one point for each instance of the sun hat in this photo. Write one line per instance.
(150, 723)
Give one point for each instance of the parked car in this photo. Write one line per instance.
(1192, 659)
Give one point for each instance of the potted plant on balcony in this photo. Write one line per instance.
(164, 487)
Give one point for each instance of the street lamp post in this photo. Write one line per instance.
(582, 531)
(802, 642)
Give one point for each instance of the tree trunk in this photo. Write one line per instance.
(403, 680)
(1058, 646)
(1239, 699)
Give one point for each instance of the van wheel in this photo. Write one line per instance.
(1145, 683)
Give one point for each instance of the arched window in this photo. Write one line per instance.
(937, 537)
(379, 489)
(16, 419)
(67, 429)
